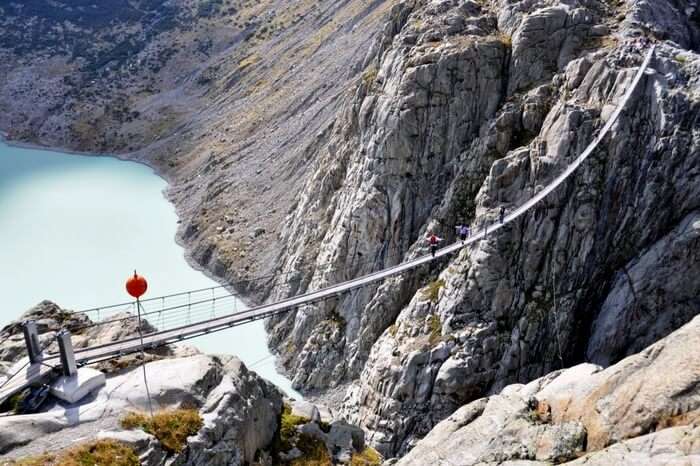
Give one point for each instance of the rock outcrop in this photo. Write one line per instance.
(50, 319)
(643, 410)
(242, 414)
(240, 410)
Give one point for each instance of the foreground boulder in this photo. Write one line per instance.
(643, 410)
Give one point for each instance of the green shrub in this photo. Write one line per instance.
(314, 452)
(287, 429)
(435, 328)
(370, 75)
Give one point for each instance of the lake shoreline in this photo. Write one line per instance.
(179, 240)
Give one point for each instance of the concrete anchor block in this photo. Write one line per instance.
(76, 387)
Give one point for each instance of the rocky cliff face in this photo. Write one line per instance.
(647, 409)
(466, 108)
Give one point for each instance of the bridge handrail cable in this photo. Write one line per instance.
(320, 294)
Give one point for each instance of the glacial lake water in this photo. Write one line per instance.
(73, 228)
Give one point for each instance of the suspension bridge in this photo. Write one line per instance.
(195, 313)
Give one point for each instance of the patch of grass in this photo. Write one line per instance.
(13, 403)
(435, 328)
(248, 61)
(98, 453)
(603, 42)
(287, 428)
(367, 457)
(432, 290)
(370, 75)
(505, 39)
(289, 347)
(171, 428)
(417, 24)
(681, 58)
(314, 452)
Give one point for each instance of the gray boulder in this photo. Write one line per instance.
(306, 410)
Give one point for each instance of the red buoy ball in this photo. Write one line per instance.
(136, 286)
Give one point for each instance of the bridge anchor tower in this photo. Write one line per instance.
(65, 347)
(31, 339)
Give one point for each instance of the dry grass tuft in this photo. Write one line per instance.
(505, 39)
(370, 75)
(432, 290)
(367, 457)
(99, 453)
(435, 327)
(288, 424)
(171, 428)
(314, 452)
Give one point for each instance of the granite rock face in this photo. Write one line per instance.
(466, 108)
(655, 292)
(643, 410)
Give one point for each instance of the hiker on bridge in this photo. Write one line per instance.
(433, 241)
(502, 214)
(464, 232)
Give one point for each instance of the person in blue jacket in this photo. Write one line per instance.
(464, 232)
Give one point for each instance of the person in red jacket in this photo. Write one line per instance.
(433, 241)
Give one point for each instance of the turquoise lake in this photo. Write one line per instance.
(73, 228)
